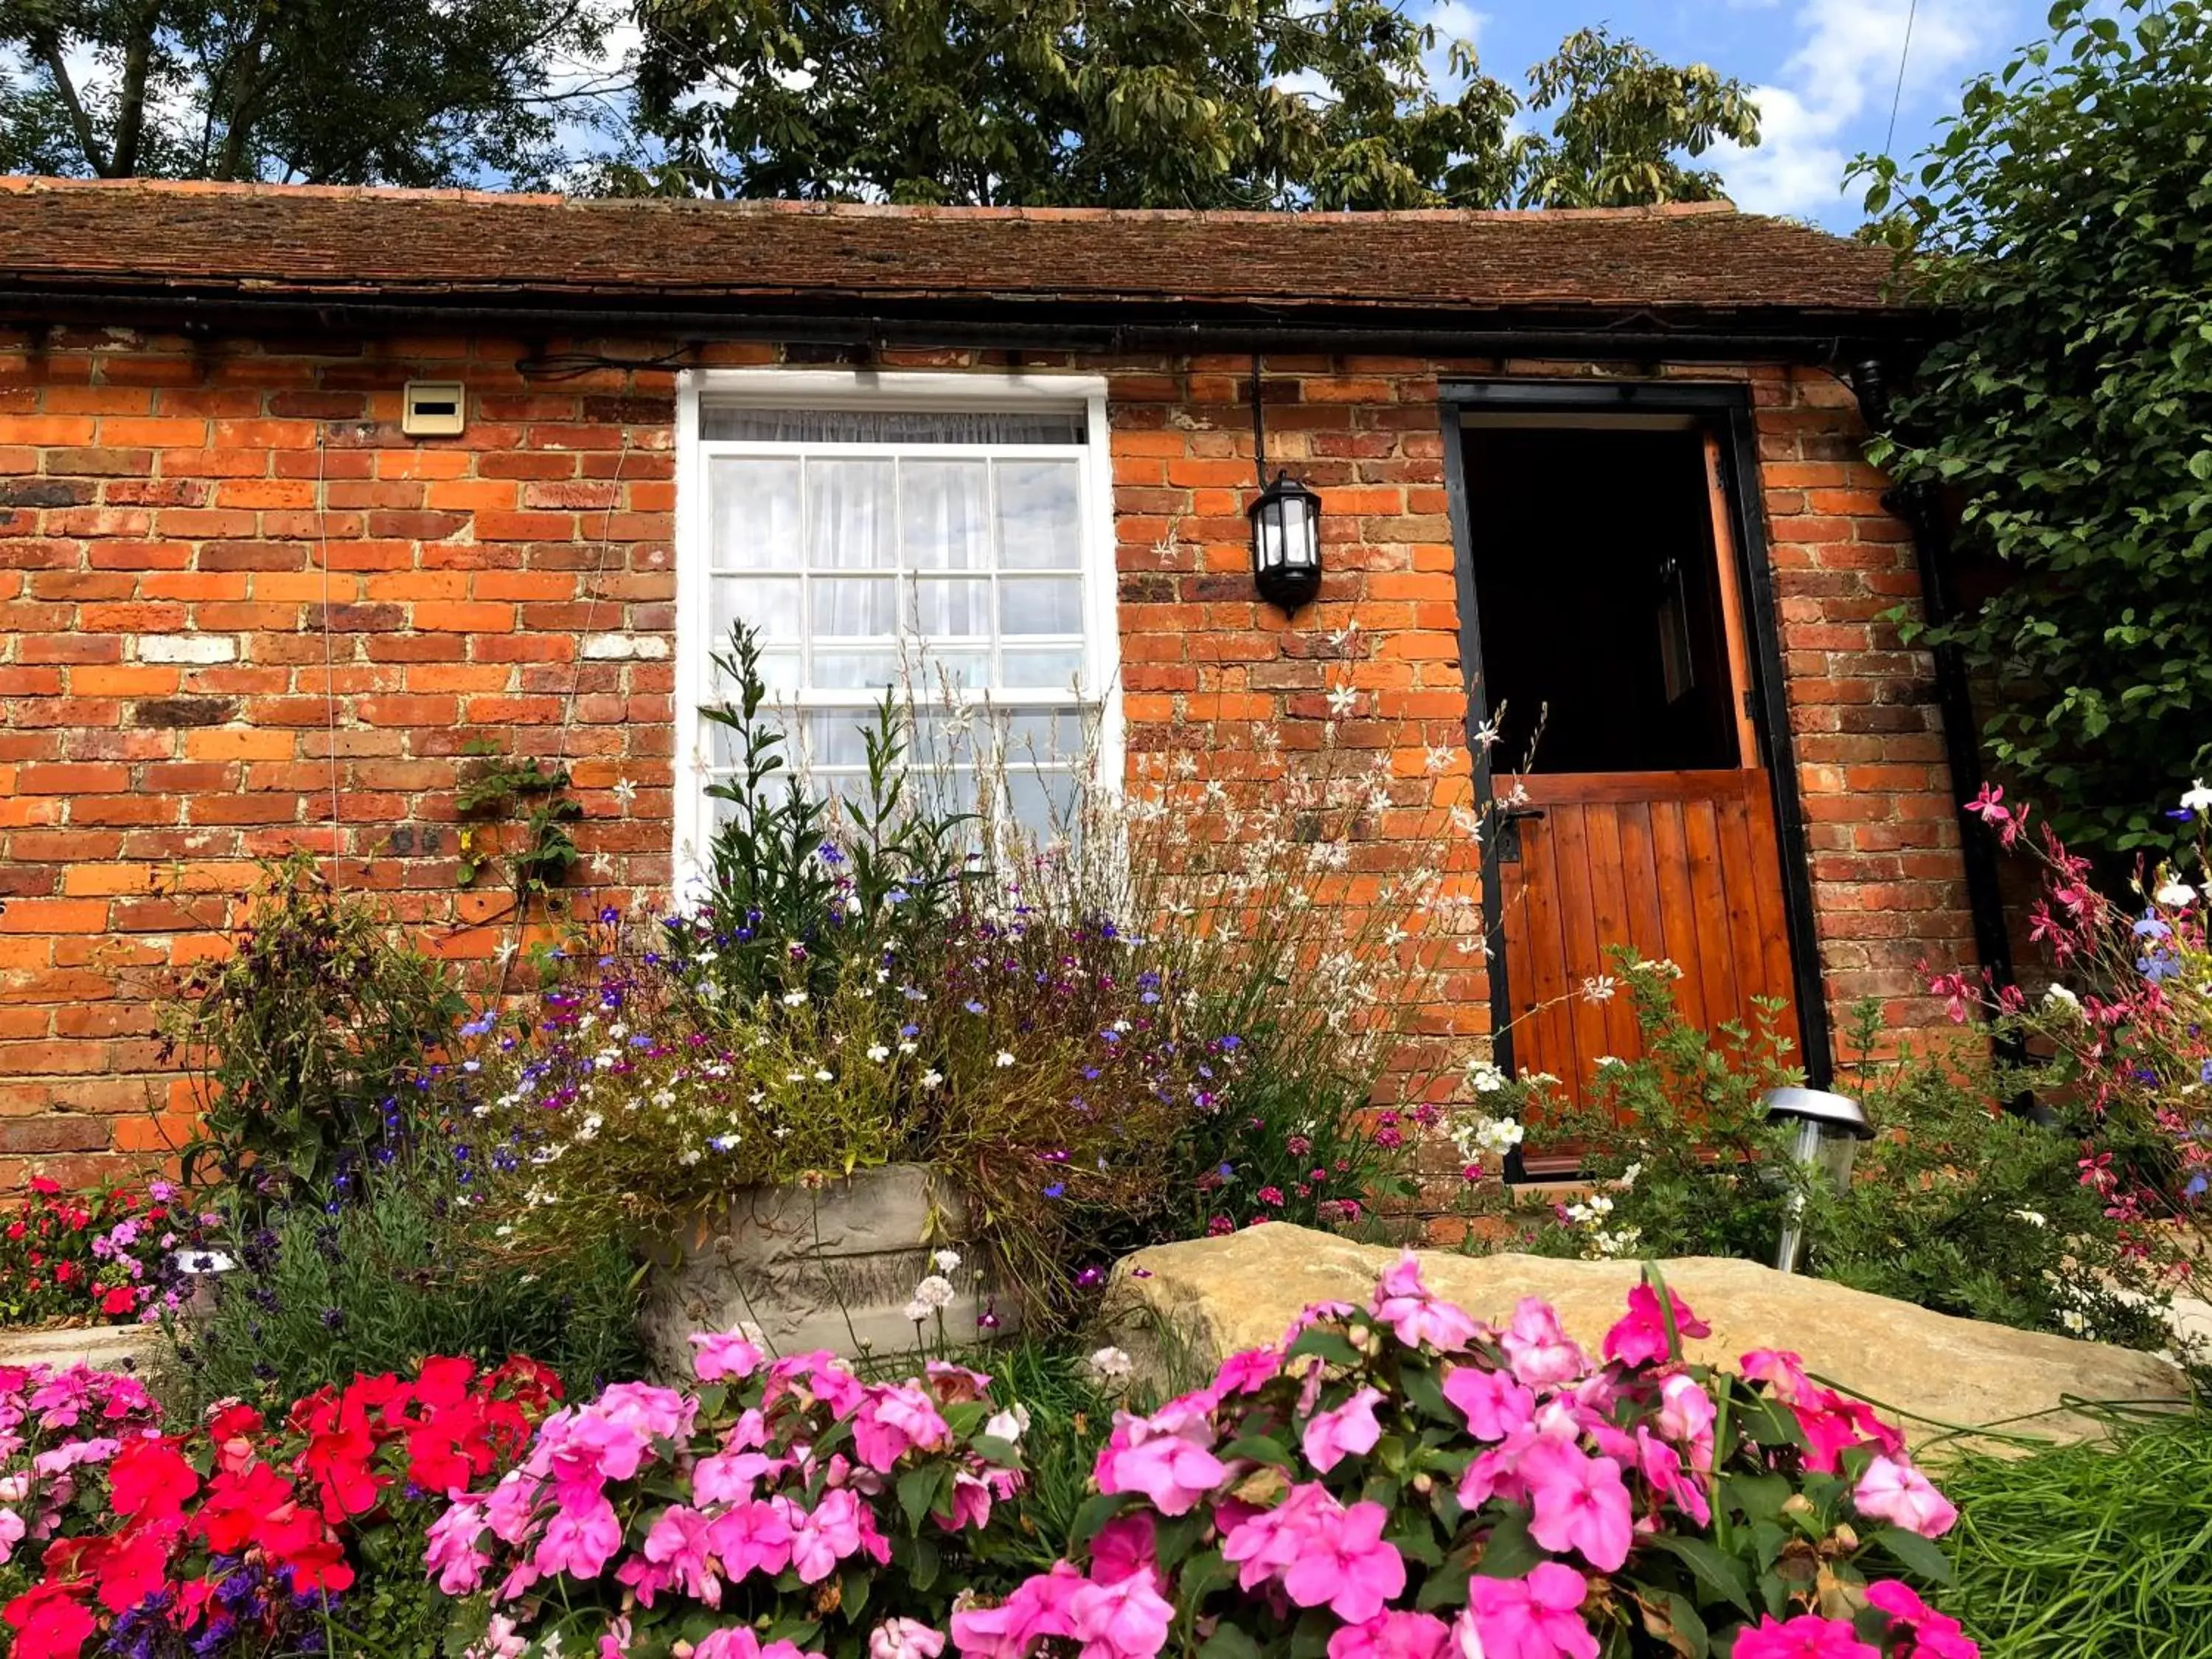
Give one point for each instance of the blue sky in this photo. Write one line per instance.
(1824, 70)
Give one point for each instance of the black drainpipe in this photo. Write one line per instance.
(1915, 502)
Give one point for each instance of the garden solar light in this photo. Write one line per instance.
(1829, 1129)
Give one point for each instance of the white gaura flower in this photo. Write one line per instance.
(1439, 758)
(1111, 1364)
(1599, 987)
(624, 791)
(1342, 699)
(1004, 1060)
(2175, 894)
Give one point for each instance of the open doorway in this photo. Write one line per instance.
(1604, 579)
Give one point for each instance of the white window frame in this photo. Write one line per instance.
(996, 391)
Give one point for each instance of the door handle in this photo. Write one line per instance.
(1510, 820)
(1516, 814)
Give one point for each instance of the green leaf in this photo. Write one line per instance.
(1723, 1575)
(1919, 1556)
(1327, 1344)
(917, 1490)
(1509, 1551)
(1683, 1615)
(1230, 1642)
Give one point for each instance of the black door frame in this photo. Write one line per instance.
(1726, 406)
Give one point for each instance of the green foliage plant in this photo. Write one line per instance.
(2060, 221)
(2093, 1551)
(1182, 104)
(381, 1269)
(300, 1040)
(504, 788)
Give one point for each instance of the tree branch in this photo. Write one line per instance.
(48, 47)
(130, 111)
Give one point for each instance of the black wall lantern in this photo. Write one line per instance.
(1285, 524)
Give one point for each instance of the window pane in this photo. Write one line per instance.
(848, 515)
(836, 737)
(957, 604)
(770, 604)
(755, 513)
(1042, 802)
(1042, 668)
(938, 671)
(846, 668)
(1041, 604)
(944, 513)
(854, 604)
(1039, 526)
(1032, 735)
(891, 426)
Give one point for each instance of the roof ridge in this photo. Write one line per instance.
(23, 184)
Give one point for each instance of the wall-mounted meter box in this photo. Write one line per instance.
(433, 408)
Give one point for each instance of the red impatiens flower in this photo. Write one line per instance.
(51, 1621)
(150, 1478)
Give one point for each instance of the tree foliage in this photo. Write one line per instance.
(1151, 103)
(2064, 218)
(401, 92)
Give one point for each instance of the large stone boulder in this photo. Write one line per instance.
(1177, 1306)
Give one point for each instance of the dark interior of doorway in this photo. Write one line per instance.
(1599, 597)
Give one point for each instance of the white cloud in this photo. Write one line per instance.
(1845, 71)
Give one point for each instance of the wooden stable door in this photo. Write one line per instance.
(1615, 660)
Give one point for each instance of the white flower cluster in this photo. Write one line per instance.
(1111, 1365)
(934, 1294)
(1495, 1136)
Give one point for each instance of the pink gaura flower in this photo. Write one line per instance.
(903, 1638)
(1343, 1564)
(1641, 1338)
(1542, 1354)
(1808, 1635)
(1580, 1503)
(1534, 1618)
(1126, 1619)
(1351, 1429)
(723, 1355)
(1172, 1471)
(1392, 1635)
(1493, 1404)
(1893, 1490)
(1404, 1303)
(1930, 1635)
(579, 1539)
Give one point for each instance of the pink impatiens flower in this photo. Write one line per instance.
(724, 1355)
(1128, 1544)
(1493, 1404)
(1542, 1354)
(905, 1638)
(1392, 1635)
(1350, 1430)
(579, 1539)
(1172, 1471)
(893, 1420)
(1581, 1502)
(1893, 1490)
(1930, 1634)
(1404, 1303)
(452, 1553)
(1534, 1618)
(1808, 1635)
(1246, 1372)
(1038, 1607)
(1343, 1564)
(753, 1536)
(1641, 1338)
(1686, 1415)
(1128, 1619)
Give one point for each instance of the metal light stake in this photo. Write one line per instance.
(1829, 1129)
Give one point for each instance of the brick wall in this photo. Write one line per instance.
(240, 612)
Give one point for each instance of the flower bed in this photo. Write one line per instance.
(108, 1256)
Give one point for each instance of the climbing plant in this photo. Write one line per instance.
(537, 860)
(2063, 221)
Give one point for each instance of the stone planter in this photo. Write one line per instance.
(104, 1347)
(833, 1268)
